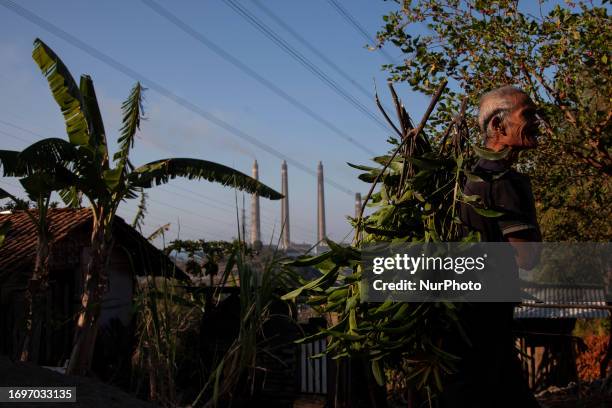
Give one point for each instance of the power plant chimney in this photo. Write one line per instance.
(244, 238)
(320, 205)
(286, 239)
(255, 222)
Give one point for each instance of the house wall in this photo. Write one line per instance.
(117, 301)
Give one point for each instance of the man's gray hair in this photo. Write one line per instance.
(496, 103)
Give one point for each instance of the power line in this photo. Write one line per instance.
(312, 49)
(14, 137)
(268, 32)
(60, 33)
(19, 128)
(162, 221)
(121, 209)
(198, 36)
(358, 27)
(225, 205)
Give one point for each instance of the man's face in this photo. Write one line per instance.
(521, 125)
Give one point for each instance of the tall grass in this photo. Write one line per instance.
(167, 317)
(168, 364)
(239, 372)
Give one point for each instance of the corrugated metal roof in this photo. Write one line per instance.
(579, 295)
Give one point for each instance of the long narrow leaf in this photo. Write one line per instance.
(162, 171)
(97, 138)
(64, 90)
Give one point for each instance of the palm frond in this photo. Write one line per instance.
(97, 138)
(71, 196)
(6, 194)
(141, 212)
(132, 114)
(47, 154)
(65, 91)
(43, 184)
(39, 156)
(9, 161)
(161, 171)
(158, 232)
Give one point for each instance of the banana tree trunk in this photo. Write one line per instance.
(91, 300)
(35, 300)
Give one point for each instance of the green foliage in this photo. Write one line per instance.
(65, 91)
(562, 59)
(106, 185)
(165, 316)
(416, 201)
(236, 375)
(162, 171)
(203, 257)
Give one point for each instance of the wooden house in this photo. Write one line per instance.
(69, 254)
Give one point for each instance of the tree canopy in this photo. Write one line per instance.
(560, 57)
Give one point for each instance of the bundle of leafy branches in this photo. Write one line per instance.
(415, 194)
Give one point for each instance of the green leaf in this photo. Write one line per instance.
(162, 171)
(309, 260)
(65, 91)
(97, 140)
(46, 154)
(112, 177)
(43, 184)
(487, 212)
(379, 374)
(132, 115)
(9, 161)
(361, 167)
(6, 194)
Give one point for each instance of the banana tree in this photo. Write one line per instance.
(41, 172)
(107, 183)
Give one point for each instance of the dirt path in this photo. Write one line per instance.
(89, 392)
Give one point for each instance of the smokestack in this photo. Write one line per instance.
(244, 239)
(358, 209)
(286, 239)
(320, 205)
(357, 205)
(255, 223)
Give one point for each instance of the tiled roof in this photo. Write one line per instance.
(19, 247)
(583, 295)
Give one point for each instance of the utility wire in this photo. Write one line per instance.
(299, 57)
(226, 207)
(313, 49)
(358, 27)
(121, 209)
(14, 137)
(198, 36)
(55, 30)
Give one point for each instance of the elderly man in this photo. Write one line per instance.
(489, 373)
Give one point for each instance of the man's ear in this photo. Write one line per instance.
(497, 126)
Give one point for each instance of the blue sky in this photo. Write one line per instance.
(136, 36)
